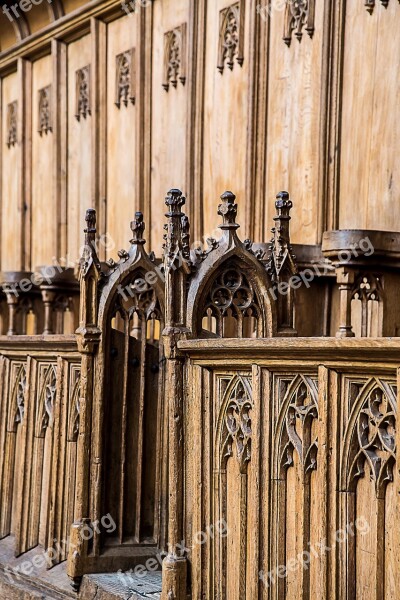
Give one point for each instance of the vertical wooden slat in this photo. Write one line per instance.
(21, 494)
(143, 110)
(140, 457)
(99, 125)
(59, 112)
(123, 457)
(24, 168)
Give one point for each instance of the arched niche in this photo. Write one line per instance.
(231, 294)
(8, 35)
(129, 382)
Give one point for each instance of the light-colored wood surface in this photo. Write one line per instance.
(317, 117)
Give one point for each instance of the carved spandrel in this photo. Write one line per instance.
(45, 111)
(125, 82)
(17, 406)
(299, 15)
(45, 408)
(231, 33)
(370, 5)
(83, 93)
(175, 57)
(236, 430)
(12, 124)
(374, 438)
(297, 432)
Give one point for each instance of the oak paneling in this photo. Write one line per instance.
(43, 206)
(294, 123)
(121, 138)
(169, 115)
(370, 173)
(226, 121)
(11, 214)
(79, 150)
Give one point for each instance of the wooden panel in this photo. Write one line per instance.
(169, 110)
(7, 33)
(225, 118)
(11, 215)
(43, 207)
(370, 174)
(79, 147)
(38, 17)
(121, 135)
(294, 125)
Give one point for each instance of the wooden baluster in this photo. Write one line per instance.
(345, 280)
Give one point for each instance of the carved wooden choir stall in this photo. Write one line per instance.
(188, 410)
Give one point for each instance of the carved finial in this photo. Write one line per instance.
(138, 226)
(174, 201)
(228, 211)
(89, 251)
(177, 236)
(90, 231)
(281, 250)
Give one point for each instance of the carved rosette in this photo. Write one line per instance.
(236, 429)
(45, 112)
(125, 78)
(82, 93)
(373, 439)
(175, 57)
(12, 127)
(299, 14)
(231, 34)
(297, 431)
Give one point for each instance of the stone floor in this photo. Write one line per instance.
(53, 584)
